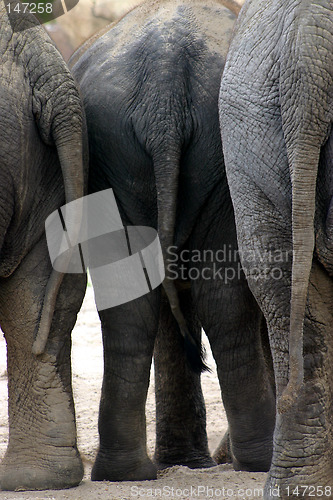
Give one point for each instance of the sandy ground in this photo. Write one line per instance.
(177, 483)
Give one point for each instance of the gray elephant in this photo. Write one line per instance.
(150, 87)
(276, 111)
(42, 167)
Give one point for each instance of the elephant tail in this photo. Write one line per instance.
(303, 211)
(306, 129)
(166, 169)
(57, 110)
(73, 159)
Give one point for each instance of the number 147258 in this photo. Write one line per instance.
(309, 491)
(34, 8)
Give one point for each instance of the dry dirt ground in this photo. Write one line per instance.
(177, 483)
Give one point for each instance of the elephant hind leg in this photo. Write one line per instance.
(42, 449)
(181, 437)
(129, 332)
(233, 324)
(247, 393)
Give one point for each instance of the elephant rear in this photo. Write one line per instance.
(150, 87)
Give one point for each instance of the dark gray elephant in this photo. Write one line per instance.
(150, 87)
(276, 110)
(42, 167)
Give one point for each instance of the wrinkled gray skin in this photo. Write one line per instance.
(276, 111)
(41, 167)
(150, 87)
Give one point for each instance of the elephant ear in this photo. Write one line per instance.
(307, 115)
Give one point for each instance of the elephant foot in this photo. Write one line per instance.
(194, 455)
(198, 463)
(256, 463)
(260, 465)
(222, 455)
(302, 464)
(252, 457)
(117, 468)
(299, 482)
(19, 473)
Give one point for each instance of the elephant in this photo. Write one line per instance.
(150, 86)
(43, 165)
(276, 114)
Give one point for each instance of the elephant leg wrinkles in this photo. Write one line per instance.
(303, 436)
(181, 437)
(129, 333)
(42, 449)
(233, 323)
